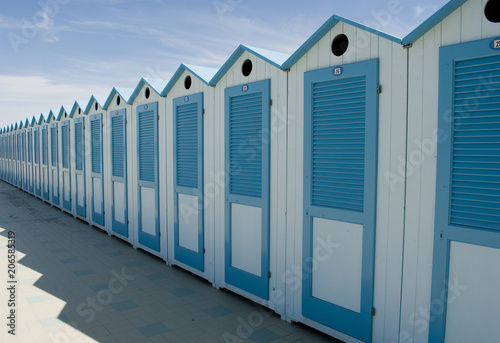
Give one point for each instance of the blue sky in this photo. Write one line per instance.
(54, 52)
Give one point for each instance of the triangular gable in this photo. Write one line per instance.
(323, 30)
(272, 57)
(433, 20)
(62, 110)
(76, 105)
(124, 93)
(155, 84)
(100, 99)
(16, 126)
(33, 121)
(26, 123)
(50, 117)
(205, 74)
(41, 119)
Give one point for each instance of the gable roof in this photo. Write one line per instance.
(100, 99)
(155, 84)
(63, 109)
(323, 30)
(432, 21)
(205, 74)
(33, 121)
(124, 93)
(272, 57)
(76, 104)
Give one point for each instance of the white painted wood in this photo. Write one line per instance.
(472, 313)
(246, 238)
(80, 185)
(67, 185)
(188, 221)
(148, 210)
(119, 201)
(97, 194)
(336, 273)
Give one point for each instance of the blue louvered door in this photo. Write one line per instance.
(11, 156)
(340, 163)
(247, 146)
(80, 184)
(147, 159)
(468, 176)
(45, 163)
(19, 179)
(119, 172)
(37, 182)
(97, 186)
(66, 166)
(29, 161)
(188, 176)
(23, 161)
(54, 163)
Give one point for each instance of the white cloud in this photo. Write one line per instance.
(28, 96)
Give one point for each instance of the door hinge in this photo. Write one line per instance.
(127, 222)
(270, 102)
(159, 233)
(125, 122)
(269, 275)
(373, 311)
(204, 250)
(379, 90)
(203, 112)
(103, 213)
(158, 117)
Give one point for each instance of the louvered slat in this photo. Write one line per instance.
(44, 146)
(30, 146)
(475, 176)
(53, 145)
(65, 146)
(79, 146)
(187, 145)
(338, 143)
(147, 149)
(37, 146)
(118, 145)
(95, 137)
(245, 140)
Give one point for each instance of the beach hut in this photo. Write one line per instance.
(24, 164)
(346, 132)
(29, 157)
(250, 156)
(53, 158)
(453, 197)
(148, 166)
(95, 170)
(190, 169)
(37, 157)
(78, 160)
(119, 191)
(17, 153)
(65, 150)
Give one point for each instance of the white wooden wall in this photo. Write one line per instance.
(262, 70)
(78, 114)
(162, 168)
(131, 188)
(465, 24)
(391, 152)
(178, 90)
(60, 152)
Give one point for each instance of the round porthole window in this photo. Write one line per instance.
(246, 68)
(118, 100)
(492, 11)
(187, 82)
(340, 45)
(147, 93)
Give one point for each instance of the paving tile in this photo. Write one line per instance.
(70, 260)
(182, 292)
(124, 305)
(84, 272)
(263, 336)
(217, 311)
(156, 276)
(153, 329)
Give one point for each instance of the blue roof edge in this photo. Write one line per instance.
(232, 59)
(178, 73)
(432, 21)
